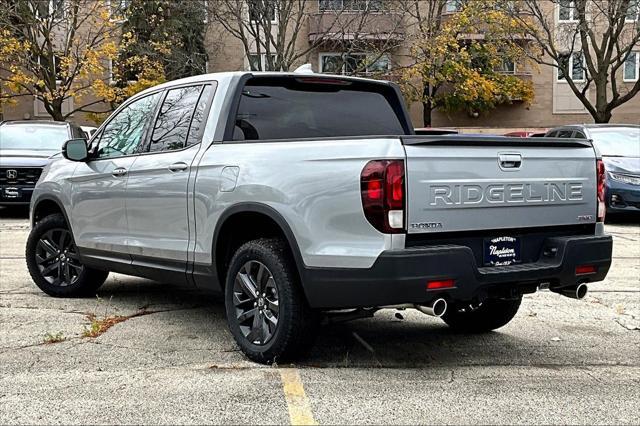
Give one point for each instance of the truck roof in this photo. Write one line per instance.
(223, 77)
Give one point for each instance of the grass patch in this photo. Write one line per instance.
(50, 338)
(98, 326)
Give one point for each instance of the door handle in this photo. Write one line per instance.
(510, 161)
(119, 172)
(178, 167)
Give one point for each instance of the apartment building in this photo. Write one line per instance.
(382, 42)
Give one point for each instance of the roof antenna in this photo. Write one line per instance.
(304, 69)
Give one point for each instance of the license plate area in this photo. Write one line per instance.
(502, 251)
(11, 193)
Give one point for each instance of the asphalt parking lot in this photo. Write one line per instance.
(145, 352)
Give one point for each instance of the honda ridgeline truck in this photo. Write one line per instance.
(303, 196)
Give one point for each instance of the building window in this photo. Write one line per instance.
(353, 63)
(205, 11)
(507, 67)
(574, 62)
(632, 67)
(567, 11)
(260, 10)
(351, 5)
(633, 11)
(118, 7)
(110, 78)
(452, 6)
(50, 9)
(56, 67)
(259, 62)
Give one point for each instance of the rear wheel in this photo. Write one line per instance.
(54, 264)
(266, 310)
(492, 314)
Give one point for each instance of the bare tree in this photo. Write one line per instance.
(588, 42)
(274, 29)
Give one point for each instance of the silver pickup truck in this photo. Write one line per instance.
(306, 196)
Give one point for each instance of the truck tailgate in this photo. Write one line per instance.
(459, 183)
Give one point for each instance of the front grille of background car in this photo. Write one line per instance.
(26, 175)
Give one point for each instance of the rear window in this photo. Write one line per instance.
(295, 108)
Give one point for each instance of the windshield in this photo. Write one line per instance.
(41, 137)
(617, 141)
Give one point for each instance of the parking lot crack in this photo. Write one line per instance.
(99, 326)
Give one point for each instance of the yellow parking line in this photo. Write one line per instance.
(297, 402)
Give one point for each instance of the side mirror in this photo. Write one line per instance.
(75, 150)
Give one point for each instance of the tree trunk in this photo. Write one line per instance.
(603, 114)
(56, 113)
(427, 105)
(426, 113)
(602, 117)
(54, 108)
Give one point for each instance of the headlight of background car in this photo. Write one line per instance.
(633, 180)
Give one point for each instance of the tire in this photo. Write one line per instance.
(492, 314)
(54, 264)
(251, 313)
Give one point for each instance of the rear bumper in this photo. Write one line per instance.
(400, 276)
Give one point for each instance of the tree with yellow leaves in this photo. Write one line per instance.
(55, 51)
(459, 56)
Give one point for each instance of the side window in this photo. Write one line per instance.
(199, 116)
(564, 133)
(122, 135)
(172, 125)
(579, 135)
(552, 134)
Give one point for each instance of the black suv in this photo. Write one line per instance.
(26, 147)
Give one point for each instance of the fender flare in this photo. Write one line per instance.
(53, 199)
(273, 214)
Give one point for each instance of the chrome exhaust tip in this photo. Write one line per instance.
(578, 292)
(437, 308)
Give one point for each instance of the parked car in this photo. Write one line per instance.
(26, 147)
(434, 131)
(524, 134)
(278, 190)
(619, 146)
(89, 130)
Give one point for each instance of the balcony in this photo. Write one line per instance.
(347, 26)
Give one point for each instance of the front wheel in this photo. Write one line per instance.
(54, 264)
(266, 310)
(492, 314)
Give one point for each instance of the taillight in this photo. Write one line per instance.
(601, 174)
(586, 269)
(439, 284)
(383, 194)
